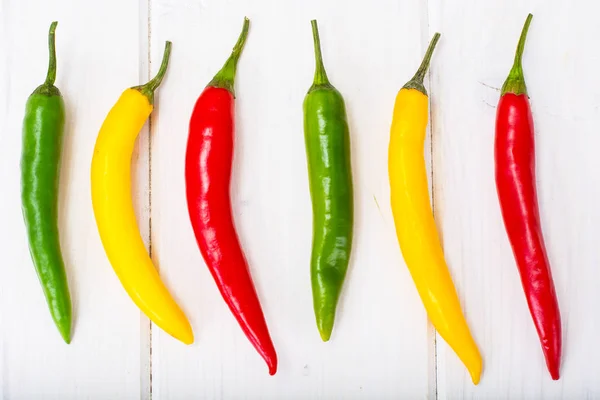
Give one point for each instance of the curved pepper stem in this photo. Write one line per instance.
(149, 88)
(320, 74)
(225, 78)
(51, 75)
(417, 80)
(515, 83)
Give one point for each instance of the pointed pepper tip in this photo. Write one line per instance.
(65, 333)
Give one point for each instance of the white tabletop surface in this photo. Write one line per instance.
(383, 346)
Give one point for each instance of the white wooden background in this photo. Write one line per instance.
(382, 346)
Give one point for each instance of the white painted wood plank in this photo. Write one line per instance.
(561, 62)
(98, 56)
(380, 346)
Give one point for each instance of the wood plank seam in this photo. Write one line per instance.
(434, 341)
(150, 124)
(148, 15)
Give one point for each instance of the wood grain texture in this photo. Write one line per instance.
(473, 59)
(380, 346)
(98, 57)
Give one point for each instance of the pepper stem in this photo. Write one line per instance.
(225, 78)
(149, 88)
(515, 83)
(320, 74)
(51, 75)
(417, 80)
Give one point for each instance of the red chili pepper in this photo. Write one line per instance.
(515, 181)
(208, 175)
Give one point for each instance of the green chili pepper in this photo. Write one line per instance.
(330, 178)
(40, 165)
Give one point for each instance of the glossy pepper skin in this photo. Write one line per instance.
(43, 128)
(415, 226)
(515, 182)
(208, 165)
(113, 208)
(327, 142)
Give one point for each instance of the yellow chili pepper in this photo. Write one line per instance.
(413, 217)
(113, 208)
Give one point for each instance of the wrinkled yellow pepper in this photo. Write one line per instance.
(413, 218)
(113, 208)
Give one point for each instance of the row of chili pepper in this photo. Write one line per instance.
(208, 165)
